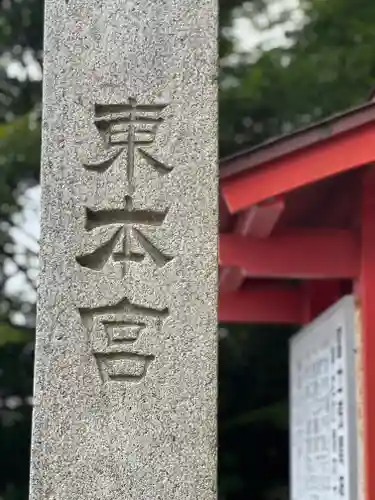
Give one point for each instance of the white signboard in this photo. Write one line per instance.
(323, 408)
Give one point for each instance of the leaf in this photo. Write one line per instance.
(12, 335)
(20, 148)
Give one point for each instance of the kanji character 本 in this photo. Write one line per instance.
(128, 126)
(115, 329)
(123, 244)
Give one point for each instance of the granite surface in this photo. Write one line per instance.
(125, 375)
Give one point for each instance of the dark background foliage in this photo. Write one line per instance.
(323, 63)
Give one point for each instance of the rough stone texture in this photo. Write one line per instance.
(107, 424)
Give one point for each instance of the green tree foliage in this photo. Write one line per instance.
(20, 95)
(326, 64)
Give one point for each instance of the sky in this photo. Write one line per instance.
(253, 31)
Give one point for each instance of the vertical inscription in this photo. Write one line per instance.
(126, 130)
(338, 367)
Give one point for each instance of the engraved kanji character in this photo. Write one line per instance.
(126, 238)
(128, 126)
(118, 327)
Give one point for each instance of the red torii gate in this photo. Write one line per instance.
(297, 232)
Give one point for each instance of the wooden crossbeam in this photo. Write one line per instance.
(302, 254)
(224, 215)
(292, 171)
(262, 304)
(258, 222)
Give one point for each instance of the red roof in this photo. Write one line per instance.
(289, 212)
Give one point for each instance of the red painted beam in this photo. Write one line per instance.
(224, 215)
(302, 254)
(292, 171)
(367, 313)
(263, 304)
(231, 278)
(258, 221)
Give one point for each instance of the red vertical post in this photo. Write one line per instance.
(367, 309)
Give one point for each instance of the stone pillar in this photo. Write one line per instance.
(125, 377)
